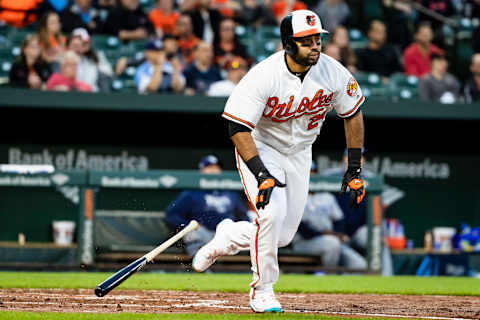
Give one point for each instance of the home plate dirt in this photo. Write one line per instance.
(150, 301)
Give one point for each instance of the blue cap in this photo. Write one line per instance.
(314, 166)
(208, 161)
(156, 44)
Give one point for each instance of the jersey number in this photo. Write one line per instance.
(315, 119)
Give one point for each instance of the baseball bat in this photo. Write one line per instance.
(123, 274)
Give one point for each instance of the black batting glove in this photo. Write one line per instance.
(266, 183)
(352, 180)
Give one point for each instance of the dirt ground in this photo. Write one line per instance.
(81, 300)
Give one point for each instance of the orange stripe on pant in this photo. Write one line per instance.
(256, 221)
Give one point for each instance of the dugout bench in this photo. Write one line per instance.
(119, 215)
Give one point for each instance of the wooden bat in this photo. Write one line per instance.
(123, 274)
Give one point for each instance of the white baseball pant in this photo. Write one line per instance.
(276, 225)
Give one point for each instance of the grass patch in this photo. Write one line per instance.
(10, 315)
(239, 283)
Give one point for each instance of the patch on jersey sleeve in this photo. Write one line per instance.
(352, 87)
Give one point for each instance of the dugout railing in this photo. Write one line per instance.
(120, 214)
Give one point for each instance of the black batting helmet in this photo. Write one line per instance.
(298, 24)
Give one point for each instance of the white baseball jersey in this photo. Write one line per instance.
(285, 115)
(285, 112)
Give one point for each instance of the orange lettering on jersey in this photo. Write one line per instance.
(282, 112)
(272, 102)
(303, 105)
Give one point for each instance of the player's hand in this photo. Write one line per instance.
(351, 179)
(266, 183)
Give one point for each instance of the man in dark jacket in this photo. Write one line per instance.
(81, 14)
(128, 21)
(471, 89)
(205, 20)
(378, 57)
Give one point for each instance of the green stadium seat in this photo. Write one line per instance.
(102, 42)
(357, 39)
(403, 80)
(124, 85)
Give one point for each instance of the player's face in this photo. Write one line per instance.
(308, 50)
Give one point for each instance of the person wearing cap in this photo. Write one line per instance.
(439, 85)
(274, 115)
(94, 68)
(81, 14)
(208, 207)
(157, 74)
(236, 70)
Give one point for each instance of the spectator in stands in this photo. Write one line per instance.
(445, 8)
(52, 41)
(19, 13)
(476, 39)
(81, 14)
(164, 17)
(54, 5)
(66, 79)
(207, 207)
(30, 70)
(439, 85)
(348, 57)
(316, 233)
(332, 50)
(104, 4)
(93, 68)
(157, 74)
(471, 90)
(254, 14)
(128, 21)
(399, 15)
(471, 9)
(202, 72)
(205, 20)
(236, 70)
(416, 57)
(186, 38)
(227, 8)
(281, 8)
(227, 46)
(378, 57)
(332, 13)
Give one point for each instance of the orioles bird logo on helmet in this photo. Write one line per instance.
(311, 20)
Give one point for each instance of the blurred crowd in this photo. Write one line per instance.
(192, 47)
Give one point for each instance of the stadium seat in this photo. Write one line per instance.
(371, 84)
(403, 80)
(357, 39)
(103, 42)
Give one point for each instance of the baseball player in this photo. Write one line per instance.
(275, 114)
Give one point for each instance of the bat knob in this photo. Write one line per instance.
(99, 292)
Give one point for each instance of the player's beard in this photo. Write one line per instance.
(307, 60)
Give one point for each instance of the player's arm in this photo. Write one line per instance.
(243, 141)
(354, 134)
